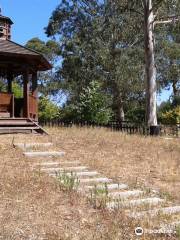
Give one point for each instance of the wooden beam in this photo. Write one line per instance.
(26, 93)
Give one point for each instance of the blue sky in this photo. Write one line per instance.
(30, 17)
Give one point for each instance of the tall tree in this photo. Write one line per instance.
(51, 51)
(151, 75)
(104, 41)
(151, 109)
(93, 46)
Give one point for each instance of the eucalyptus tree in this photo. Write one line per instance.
(94, 46)
(105, 41)
(72, 25)
(150, 19)
(150, 14)
(51, 51)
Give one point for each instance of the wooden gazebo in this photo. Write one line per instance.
(18, 61)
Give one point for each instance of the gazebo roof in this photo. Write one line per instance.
(6, 18)
(14, 53)
(8, 46)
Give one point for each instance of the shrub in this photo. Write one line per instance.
(171, 116)
(136, 115)
(67, 182)
(47, 109)
(94, 104)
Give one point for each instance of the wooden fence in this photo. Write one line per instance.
(126, 127)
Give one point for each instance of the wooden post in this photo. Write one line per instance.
(26, 93)
(34, 85)
(12, 113)
(9, 89)
(35, 94)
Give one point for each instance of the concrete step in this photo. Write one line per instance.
(55, 164)
(84, 174)
(155, 212)
(79, 175)
(64, 169)
(25, 146)
(133, 203)
(113, 186)
(44, 154)
(125, 194)
(95, 180)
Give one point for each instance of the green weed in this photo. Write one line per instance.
(68, 182)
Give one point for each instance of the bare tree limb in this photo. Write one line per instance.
(171, 19)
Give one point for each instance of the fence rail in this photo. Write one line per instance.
(125, 126)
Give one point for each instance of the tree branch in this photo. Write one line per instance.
(171, 19)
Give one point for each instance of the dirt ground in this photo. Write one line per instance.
(32, 206)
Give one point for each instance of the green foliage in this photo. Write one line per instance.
(165, 107)
(93, 104)
(136, 114)
(169, 112)
(2, 86)
(17, 90)
(176, 101)
(171, 116)
(178, 232)
(104, 40)
(47, 109)
(99, 197)
(68, 182)
(95, 45)
(51, 50)
(69, 112)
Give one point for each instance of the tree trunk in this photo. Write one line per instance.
(175, 89)
(151, 107)
(118, 105)
(120, 111)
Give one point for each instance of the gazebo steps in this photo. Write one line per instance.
(19, 125)
(15, 121)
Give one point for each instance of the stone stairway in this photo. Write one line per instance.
(137, 203)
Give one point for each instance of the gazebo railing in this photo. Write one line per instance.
(10, 107)
(6, 104)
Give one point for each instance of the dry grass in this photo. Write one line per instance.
(32, 205)
(138, 161)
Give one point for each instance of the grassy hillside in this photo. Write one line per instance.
(33, 206)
